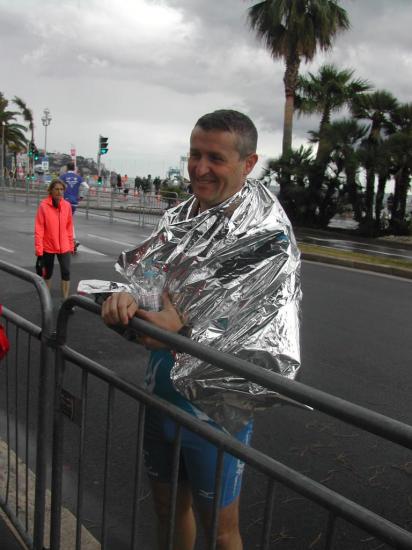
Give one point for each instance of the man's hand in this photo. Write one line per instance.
(167, 319)
(119, 308)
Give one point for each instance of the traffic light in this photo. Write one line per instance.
(36, 153)
(31, 149)
(103, 145)
(99, 180)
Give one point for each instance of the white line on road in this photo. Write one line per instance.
(7, 250)
(371, 251)
(109, 239)
(358, 271)
(83, 248)
(372, 248)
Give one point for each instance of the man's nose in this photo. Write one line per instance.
(202, 167)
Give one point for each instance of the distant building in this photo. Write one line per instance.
(173, 173)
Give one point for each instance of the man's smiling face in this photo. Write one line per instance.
(215, 167)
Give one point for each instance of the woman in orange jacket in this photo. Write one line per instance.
(53, 235)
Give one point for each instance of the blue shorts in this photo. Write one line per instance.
(197, 460)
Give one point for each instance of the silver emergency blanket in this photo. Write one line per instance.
(233, 274)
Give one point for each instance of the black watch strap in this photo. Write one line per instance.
(185, 331)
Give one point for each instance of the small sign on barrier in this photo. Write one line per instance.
(70, 406)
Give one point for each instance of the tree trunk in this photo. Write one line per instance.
(317, 173)
(322, 148)
(380, 193)
(370, 192)
(403, 193)
(398, 221)
(353, 192)
(327, 208)
(396, 196)
(290, 80)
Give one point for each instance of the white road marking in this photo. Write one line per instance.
(370, 251)
(359, 271)
(83, 248)
(7, 250)
(110, 240)
(371, 248)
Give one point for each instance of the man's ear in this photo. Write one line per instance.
(250, 163)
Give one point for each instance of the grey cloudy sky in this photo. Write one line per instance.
(142, 71)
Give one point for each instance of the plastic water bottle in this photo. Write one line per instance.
(151, 288)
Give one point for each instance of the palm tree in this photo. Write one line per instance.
(324, 93)
(295, 168)
(378, 108)
(15, 139)
(401, 117)
(327, 92)
(342, 138)
(293, 30)
(400, 148)
(27, 115)
(6, 118)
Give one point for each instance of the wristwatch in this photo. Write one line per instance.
(186, 330)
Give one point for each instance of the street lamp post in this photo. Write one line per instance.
(46, 119)
(3, 126)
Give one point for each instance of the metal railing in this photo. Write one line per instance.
(19, 380)
(145, 208)
(74, 404)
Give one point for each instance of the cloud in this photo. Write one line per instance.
(142, 71)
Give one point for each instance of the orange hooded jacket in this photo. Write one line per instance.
(53, 228)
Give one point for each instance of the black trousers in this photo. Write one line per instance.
(64, 262)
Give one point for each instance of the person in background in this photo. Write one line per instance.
(137, 184)
(156, 184)
(113, 180)
(75, 189)
(53, 235)
(119, 183)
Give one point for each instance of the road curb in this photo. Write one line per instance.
(358, 264)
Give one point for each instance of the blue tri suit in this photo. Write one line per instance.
(73, 182)
(198, 456)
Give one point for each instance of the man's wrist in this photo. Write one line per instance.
(185, 330)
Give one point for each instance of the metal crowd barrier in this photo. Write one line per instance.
(32, 191)
(74, 404)
(22, 383)
(145, 208)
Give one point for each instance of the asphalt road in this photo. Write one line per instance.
(356, 344)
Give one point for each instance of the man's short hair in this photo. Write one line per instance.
(227, 120)
(70, 165)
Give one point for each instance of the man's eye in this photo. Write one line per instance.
(216, 158)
